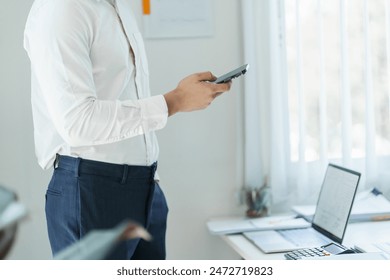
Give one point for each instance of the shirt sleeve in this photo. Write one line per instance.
(58, 40)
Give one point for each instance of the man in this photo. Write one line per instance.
(94, 120)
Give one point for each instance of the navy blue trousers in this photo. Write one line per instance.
(84, 195)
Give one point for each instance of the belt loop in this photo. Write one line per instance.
(76, 167)
(153, 169)
(125, 172)
(56, 161)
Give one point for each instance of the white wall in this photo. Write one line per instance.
(201, 152)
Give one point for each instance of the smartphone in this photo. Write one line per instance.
(232, 74)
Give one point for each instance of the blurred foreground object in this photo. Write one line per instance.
(97, 244)
(11, 212)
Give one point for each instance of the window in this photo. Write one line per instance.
(338, 78)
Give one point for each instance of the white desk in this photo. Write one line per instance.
(356, 233)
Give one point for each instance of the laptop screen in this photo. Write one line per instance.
(335, 202)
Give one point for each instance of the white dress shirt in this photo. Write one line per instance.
(90, 83)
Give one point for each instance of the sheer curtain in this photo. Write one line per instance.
(317, 92)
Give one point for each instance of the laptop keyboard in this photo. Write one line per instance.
(307, 237)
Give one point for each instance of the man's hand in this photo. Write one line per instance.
(194, 92)
(134, 230)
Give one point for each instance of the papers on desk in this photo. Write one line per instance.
(381, 247)
(369, 205)
(241, 224)
(360, 256)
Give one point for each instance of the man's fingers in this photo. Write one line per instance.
(219, 88)
(206, 76)
(217, 94)
(135, 231)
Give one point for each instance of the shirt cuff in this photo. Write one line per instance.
(154, 113)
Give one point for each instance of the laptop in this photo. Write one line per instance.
(330, 218)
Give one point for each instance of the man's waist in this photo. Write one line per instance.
(79, 166)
